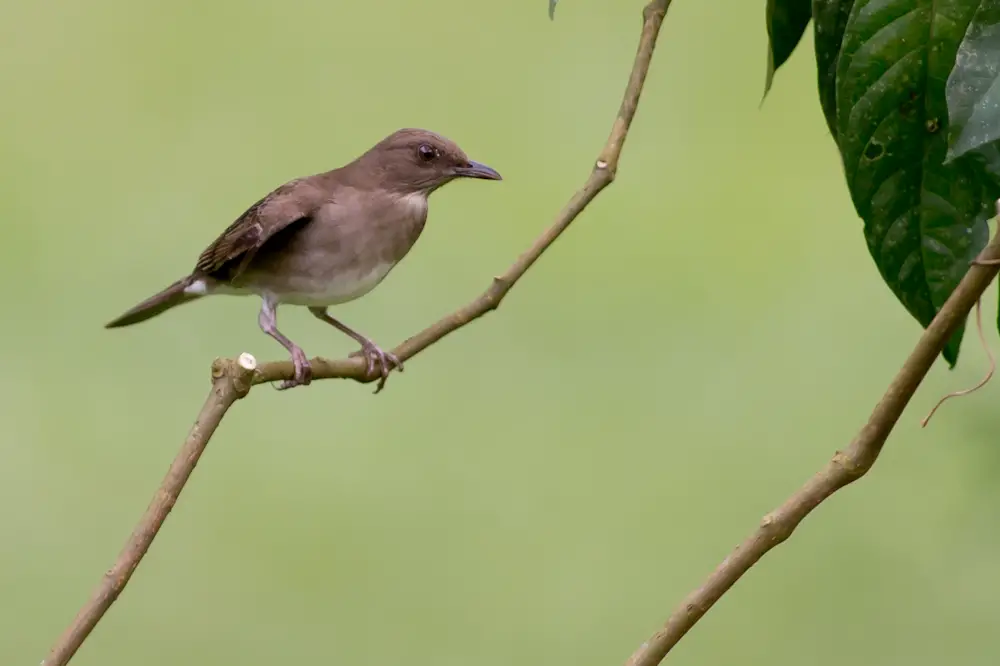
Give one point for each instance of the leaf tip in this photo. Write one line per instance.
(767, 89)
(769, 77)
(950, 351)
(552, 9)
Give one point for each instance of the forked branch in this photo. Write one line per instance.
(232, 380)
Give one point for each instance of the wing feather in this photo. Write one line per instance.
(229, 254)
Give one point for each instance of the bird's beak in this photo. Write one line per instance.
(477, 170)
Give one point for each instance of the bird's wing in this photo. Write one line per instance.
(229, 254)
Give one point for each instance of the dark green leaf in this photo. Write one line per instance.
(829, 22)
(552, 9)
(786, 21)
(973, 89)
(923, 220)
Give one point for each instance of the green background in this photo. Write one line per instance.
(547, 484)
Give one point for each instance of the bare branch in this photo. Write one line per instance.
(844, 468)
(232, 380)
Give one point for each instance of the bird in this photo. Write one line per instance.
(325, 239)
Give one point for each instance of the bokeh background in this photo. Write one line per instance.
(544, 486)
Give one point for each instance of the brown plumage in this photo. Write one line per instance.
(325, 239)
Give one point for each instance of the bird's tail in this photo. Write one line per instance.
(172, 296)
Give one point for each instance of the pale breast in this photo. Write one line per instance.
(415, 205)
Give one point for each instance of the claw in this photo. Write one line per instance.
(369, 360)
(386, 362)
(303, 372)
(371, 351)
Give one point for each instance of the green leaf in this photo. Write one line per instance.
(924, 220)
(829, 23)
(552, 9)
(786, 22)
(973, 88)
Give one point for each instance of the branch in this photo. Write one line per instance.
(232, 380)
(844, 468)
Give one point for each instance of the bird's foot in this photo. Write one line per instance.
(386, 362)
(303, 371)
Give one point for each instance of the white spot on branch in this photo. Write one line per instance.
(247, 361)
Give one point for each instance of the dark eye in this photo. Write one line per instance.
(426, 153)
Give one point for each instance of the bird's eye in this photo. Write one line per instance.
(426, 153)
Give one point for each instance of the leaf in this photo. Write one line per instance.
(552, 9)
(973, 88)
(786, 22)
(829, 22)
(923, 220)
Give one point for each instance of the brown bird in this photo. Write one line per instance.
(325, 239)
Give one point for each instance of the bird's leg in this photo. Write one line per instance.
(372, 352)
(268, 321)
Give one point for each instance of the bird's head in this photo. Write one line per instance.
(409, 161)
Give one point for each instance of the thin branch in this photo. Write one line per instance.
(232, 380)
(845, 467)
(982, 382)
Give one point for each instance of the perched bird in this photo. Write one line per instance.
(325, 239)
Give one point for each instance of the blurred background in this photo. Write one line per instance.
(546, 485)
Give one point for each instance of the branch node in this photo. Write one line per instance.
(849, 466)
(775, 530)
(650, 11)
(498, 288)
(239, 373)
(606, 168)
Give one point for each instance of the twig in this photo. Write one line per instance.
(232, 380)
(845, 467)
(982, 382)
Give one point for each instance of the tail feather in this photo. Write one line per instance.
(170, 297)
